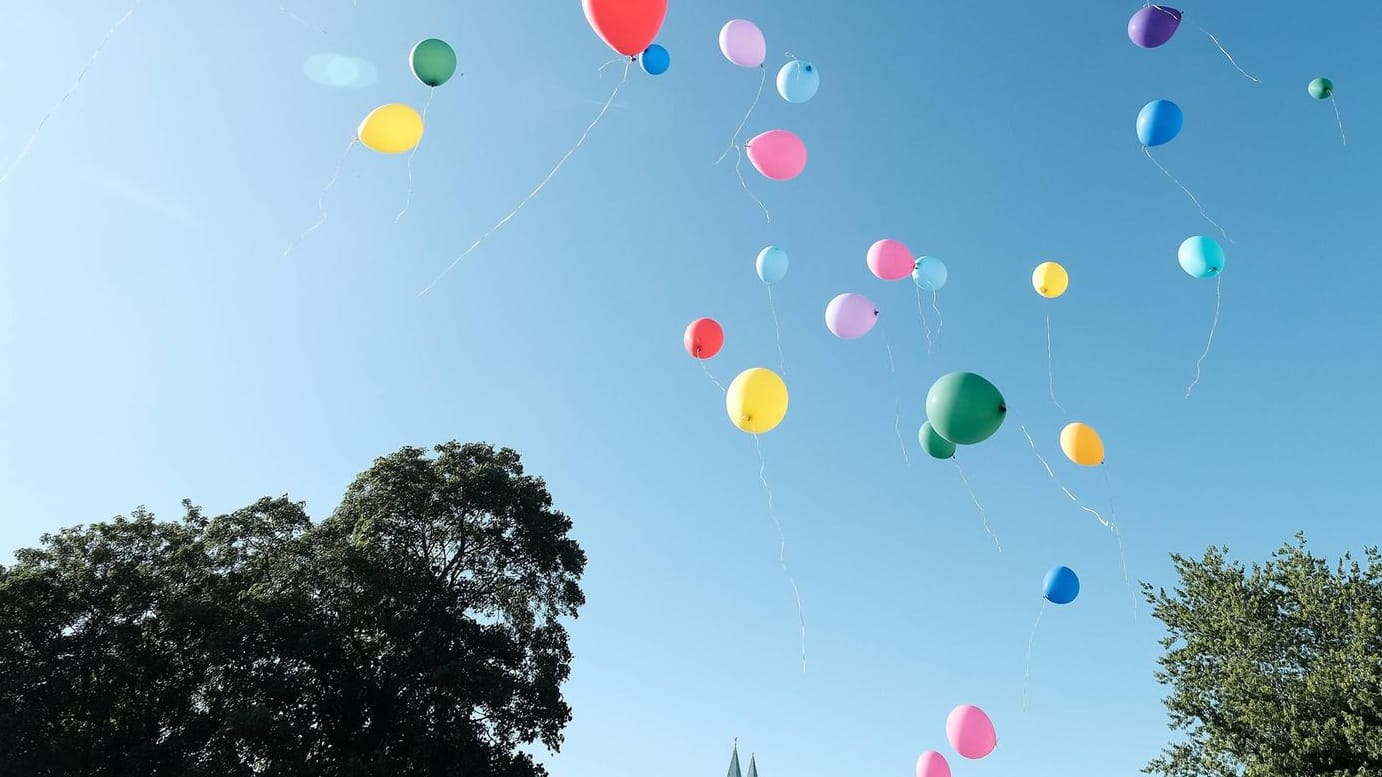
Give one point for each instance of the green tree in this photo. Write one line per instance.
(1274, 671)
(417, 631)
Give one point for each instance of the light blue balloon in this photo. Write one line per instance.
(1159, 122)
(1201, 257)
(655, 60)
(930, 273)
(772, 264)
(798, 81)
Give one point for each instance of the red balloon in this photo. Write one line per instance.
(627, 26)
(703, 338)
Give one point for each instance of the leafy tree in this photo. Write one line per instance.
(417, 631)
(1274, 671)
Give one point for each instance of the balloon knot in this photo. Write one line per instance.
(1003, 408)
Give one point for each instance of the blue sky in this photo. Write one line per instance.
(156, 344)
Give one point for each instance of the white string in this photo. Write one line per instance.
(1027, 676)
(901, 441)
(1339, 119)
(1056, 480)
(321, 198)
(935, 305)
(1122, 556)
(603, 110)
(1218, 305)
(983, 514)
(1192, 197)
(1050, 369)
(283, 8)
(892, 365)
(100, 48)
(734, 139)
(777, 328)
(924, 323)
(711, 375)
(782, 547)
(430, 94)
(1230, 56)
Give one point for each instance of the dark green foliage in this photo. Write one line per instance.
(1274, 671)
(414, 632)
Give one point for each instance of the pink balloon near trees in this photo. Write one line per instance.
(890, 260)
(742, 43)
(778, 154)
(970, 731)
(932, 764)
(850, 316)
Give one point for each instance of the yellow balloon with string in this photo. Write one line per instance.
(1082, 445)
(391, 129)
(1050, 280)
(756, 400)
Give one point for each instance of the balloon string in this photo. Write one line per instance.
(739, 171)
(935, 305)
(100, 48)
(321, 198)
(777, 328)
(1339, 119)
(711, 375)
(1231, 61)
(901, 441)
(983, 514)
(1056, 480)
(734, 139)
(921, 311)
(430, 94)
(1050, 369)
(1027, 676)
(603, 110)
(892, 365)
(1122, 555)
(283, 9)
(614, 61)
(1218, 305)
(782, 547)
(1192, 197)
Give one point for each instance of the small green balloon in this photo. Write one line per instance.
(1321, 88)
(965, 408)
(934, 444)
(433, 61)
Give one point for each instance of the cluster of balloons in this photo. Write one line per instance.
(962, 408)
(969, 731)
(778, 154)
(851, 315)
(397, 128)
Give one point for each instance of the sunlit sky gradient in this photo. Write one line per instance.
(156, 344)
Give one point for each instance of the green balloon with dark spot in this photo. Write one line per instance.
(1321, 88)
(934, 444)
(433, 61)
(965, 408)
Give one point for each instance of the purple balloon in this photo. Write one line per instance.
(1152, 26)
(850, 316)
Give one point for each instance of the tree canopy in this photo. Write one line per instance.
(1275, 671)
(416, 631)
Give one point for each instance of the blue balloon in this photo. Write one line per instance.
(1159, 122)
(655, 60)
(930, 273)
(1201, 257)
(798, 81)
(1061, 586)
(772, 264)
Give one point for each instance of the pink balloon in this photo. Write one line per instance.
(742, 43)
(778, 154)
(890, 260)
(970, 731)
(932, 764)
(850, 316)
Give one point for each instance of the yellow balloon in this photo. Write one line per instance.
(391, 129)
(1050, 280)
(757, 400)
(1082, 444)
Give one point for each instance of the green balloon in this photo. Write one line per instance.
(934, 444)
(965, 408)
(1321, 88)
(433, 61)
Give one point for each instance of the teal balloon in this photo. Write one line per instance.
(798, 81)
(433, 61)
(1201, 257)
(1321, 88)
(965, 408)
(772, 264)
(934, 444)
(930, 274)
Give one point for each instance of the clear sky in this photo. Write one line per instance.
(155, 343)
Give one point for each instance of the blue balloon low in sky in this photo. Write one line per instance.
(1061, 585)
(655, 60)
(798, 81)
(772, 264)
(1159, 122)
(930, 274)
